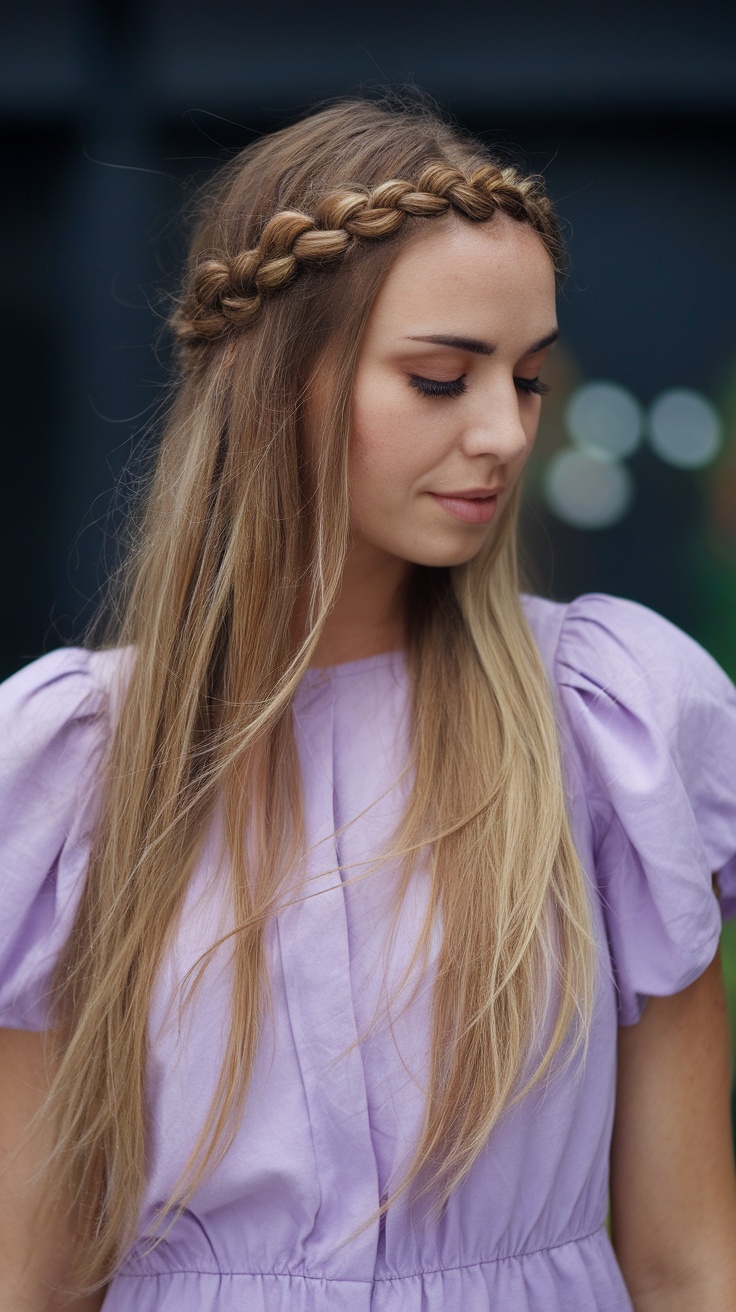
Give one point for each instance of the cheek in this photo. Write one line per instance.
(385, 449)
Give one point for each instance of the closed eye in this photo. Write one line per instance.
(532, 385)
(456, 386)
(434, 387)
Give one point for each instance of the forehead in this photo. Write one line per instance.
(468, 274)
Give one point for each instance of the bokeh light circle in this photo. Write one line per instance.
(606, 417)
(685, 428)
(587, 488)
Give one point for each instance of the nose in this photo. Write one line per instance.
(495, 428)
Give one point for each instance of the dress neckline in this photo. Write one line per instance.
(389, 659)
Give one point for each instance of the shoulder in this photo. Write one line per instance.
(649, 715)
(650, 720)
(56, 717)
(602, 652)
(630, 686)
(55, 721)
(65, 698)
(68, 668)
(603, 632)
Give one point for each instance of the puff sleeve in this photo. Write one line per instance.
(53, 728)
(653, 718)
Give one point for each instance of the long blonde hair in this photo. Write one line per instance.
(240, 530)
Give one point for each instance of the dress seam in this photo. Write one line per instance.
(489, 1261)
(359, 1280)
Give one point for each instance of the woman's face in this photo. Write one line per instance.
(446, 404)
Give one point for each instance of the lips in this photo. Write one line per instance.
(474, 505)
(472, 493)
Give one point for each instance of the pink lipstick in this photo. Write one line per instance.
(472, 506)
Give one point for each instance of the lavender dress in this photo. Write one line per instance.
(649, 729)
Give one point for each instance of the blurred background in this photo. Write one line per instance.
(110, 112)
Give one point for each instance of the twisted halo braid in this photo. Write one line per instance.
(226, 294)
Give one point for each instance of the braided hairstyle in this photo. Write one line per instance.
(226, 288)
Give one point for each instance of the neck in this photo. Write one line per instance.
(368, 616)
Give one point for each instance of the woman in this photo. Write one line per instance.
(330, 879)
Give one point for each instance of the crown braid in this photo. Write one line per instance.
(226, 294)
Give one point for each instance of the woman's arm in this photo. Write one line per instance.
(673, 1186)
(32, 1262)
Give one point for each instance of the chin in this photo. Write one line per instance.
(436, 556)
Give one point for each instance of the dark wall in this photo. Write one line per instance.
(107, 111)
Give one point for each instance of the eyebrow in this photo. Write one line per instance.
(480, 348)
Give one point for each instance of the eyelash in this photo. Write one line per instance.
(456, 386)
(433, 387)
